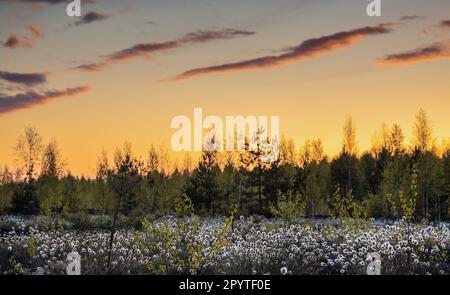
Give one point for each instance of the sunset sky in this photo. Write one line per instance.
(124, 69)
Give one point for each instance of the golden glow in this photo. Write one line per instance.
(312, 97)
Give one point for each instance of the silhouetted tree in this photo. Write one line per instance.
(28, 151)
(102, 191)
(345, 170)
(313, 179)
(255, 162)
(6, 189)
(71, 193)
(52, 167)
(429, 168)
(203, 185)
(124, 179)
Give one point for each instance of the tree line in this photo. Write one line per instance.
(387, 181)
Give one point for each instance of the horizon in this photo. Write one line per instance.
(176, 160)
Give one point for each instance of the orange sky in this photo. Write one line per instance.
(312, 93)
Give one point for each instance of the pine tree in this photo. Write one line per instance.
(203, 186)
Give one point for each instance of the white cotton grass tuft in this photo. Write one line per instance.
(253, 246)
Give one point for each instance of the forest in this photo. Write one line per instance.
(389, 181)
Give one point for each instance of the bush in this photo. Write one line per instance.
(375, 206)
(289, 207)
(184, 251)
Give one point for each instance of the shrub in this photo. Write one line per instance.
(289, 206)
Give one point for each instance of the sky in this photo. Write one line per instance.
(124, 69)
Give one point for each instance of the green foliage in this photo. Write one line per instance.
(289, 206)
(183, 206)
(408, 202)
(375, 206)
(184, 252)
(203, 186)
(25, 199)
(395, 179)
(379, 179)
(346, 173)
(345, 207)
(32, 247)
(50, 196)
(6, 191)
(314, 182)
(17, 268)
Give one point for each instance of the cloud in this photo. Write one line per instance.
(15, 41)
(92, 16)
(11, 103)
(435, 51)
(146, 49)
(12, 42)
(410, 17)
(306, 50)
(445, 23)
(36, 31)
(23, 79)
(8, 87)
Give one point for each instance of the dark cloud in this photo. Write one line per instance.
(90, 17)
(145, 49)
(15, 41)
(11, 103)
(8, 87)
(306, 50)
(197, 37)
(411, 17)
(12, 41)
(93, 67)
(434, 51)
(23, 79)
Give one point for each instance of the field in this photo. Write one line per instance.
(247, 245)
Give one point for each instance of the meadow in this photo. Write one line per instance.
(246, 245)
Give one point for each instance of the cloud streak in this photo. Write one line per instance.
(20, 101)
(435, 51)
(23, 78)
(410, 17)
(146, 49)
(14, 41)
(36, 31)
(306, 50)
(90, 17)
